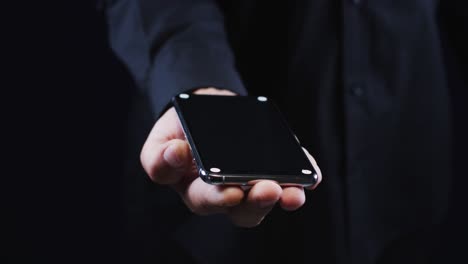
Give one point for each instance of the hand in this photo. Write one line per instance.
(167, 159)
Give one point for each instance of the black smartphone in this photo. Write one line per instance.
(239, 140)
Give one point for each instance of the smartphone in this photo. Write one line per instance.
(240, 140)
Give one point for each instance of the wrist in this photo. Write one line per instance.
(213, 91)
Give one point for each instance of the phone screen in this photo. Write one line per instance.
(241, 135)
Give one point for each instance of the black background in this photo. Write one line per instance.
(65, 100)
(238, 124)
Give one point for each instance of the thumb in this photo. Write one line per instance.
(168, 162)
(176, 154)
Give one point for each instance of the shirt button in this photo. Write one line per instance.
(356, 90)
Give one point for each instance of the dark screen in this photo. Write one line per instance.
(241, 135)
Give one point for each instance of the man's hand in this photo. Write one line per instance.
(167, 159)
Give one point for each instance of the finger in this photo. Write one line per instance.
(292, 198)
(168, 162)
(316, 168)
(258, 203)
(165, 155)
(203, 199)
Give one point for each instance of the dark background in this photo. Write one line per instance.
(65, 101)
(65, 98)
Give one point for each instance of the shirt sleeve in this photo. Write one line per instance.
(172, 47)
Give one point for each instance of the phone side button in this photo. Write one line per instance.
(216, 179)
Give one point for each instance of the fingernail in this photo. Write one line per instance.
(172, 156)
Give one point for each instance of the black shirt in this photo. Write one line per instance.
(365, 86)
